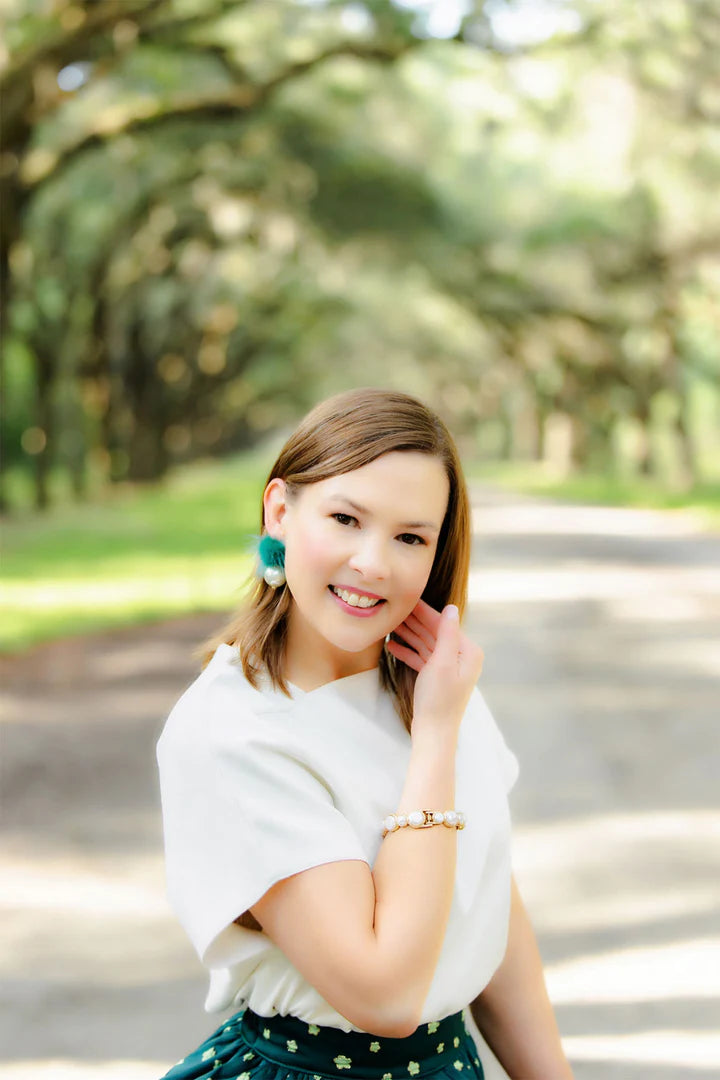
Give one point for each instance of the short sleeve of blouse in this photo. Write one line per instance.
(241, 811)
(507, 761)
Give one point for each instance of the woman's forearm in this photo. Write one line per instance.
(514, 1013)
(414, 876)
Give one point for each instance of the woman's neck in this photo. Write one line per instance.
(311, 661)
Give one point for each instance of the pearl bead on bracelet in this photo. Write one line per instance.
(423, 819)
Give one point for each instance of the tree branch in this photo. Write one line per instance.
(16, 81)
(70, 45)
(231, 103)
(479, 33)
(171, 28)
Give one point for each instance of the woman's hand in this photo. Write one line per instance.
(448, 665)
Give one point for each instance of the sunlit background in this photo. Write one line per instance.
(217, 212)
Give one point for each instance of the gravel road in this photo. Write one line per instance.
(601, 630)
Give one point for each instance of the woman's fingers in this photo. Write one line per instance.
(406, 655)
(427, 615)
(449, 638)
(421, 631)
(417, 642)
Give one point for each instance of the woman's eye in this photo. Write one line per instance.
(410, 539)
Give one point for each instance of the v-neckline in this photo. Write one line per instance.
(361, 688)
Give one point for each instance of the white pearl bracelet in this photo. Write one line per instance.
(423, 819)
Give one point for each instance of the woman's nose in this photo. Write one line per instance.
(370, 559)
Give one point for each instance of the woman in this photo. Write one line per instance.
(309, 779)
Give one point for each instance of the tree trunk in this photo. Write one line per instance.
(544, 408)
(9, 232)
(4, 504)
(45, 421)
(644, 460)
(506, 433)
(148, 456)
(77, 459)
(579, 441)
(689, 471)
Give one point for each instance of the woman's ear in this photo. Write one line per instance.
(275, 505)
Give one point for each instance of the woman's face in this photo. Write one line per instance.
(369, 534)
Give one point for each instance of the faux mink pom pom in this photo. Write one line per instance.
(271, 552)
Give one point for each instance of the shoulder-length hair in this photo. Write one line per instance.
(341, 434)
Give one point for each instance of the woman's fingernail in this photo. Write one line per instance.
(451, 612)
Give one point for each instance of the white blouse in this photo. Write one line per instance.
(256, 787)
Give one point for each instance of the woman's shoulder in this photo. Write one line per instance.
(220, 697)
(223, 674)
(483, 731)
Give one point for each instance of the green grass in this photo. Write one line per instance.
(137, 555)
(533, 478)
(141, 554)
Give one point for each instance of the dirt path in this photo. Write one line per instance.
(600, 629)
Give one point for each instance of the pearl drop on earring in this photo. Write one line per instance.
(274, 576)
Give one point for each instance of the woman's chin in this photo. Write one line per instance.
(355, 647)
(355, 642)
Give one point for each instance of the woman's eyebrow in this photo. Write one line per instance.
(404, 525)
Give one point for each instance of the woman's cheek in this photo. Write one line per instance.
(313, 550)
(422, 577)
(411, 589)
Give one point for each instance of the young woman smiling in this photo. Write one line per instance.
(316, 775)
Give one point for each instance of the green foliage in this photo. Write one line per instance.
(701, 504)
(187, 546)
(242, 207)
(134, 556)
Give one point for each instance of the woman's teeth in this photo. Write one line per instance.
(353, 599)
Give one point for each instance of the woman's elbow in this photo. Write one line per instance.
(406, 1029)
(388, 1022)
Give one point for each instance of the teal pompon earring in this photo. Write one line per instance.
(271, 560)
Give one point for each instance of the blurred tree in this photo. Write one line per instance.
(214, 201)
(57, 52)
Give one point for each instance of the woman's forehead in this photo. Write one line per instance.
(401, 482)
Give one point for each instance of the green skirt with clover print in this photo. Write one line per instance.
(252, 1047)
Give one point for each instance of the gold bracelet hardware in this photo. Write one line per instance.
(452, 819)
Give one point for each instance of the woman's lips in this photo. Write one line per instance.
(354, 589)
(362, 613)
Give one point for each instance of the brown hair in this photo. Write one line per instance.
(341, 434)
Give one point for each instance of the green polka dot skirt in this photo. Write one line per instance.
(252, 1047)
